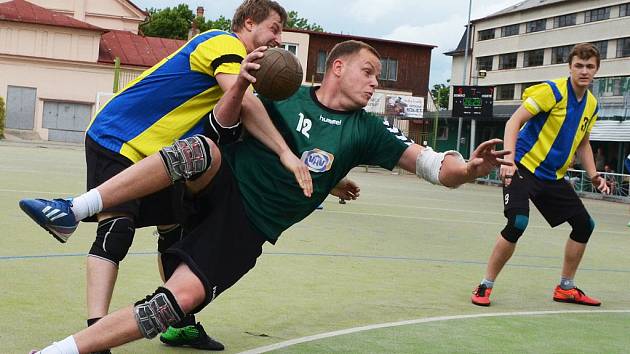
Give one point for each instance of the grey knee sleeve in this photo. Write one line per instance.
(113, 239)
(156, 312)
(187, 159)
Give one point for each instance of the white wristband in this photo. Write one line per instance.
(429, 163)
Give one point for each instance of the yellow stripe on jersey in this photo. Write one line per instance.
(547, 142)
(206, 54)
(168, 129)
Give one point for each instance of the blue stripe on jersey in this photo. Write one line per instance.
(133, 105)
(556, 92)
(561, 147)
(528, 136)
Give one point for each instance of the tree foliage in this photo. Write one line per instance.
(176, 22)
(295, 21)
(169, 22)
(440, 94)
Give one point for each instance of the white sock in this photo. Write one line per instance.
(66, 346)
(87, 204)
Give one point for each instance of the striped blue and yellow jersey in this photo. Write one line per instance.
(168, 101)
(547, 142)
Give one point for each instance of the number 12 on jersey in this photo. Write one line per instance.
(304, 125)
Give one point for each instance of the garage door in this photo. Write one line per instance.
(20, 107)
(66, 121)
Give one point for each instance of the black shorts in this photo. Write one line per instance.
(556, 200)
(221, 245)
(160, 208)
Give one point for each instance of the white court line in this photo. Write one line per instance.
(562, 228)
(410, 322)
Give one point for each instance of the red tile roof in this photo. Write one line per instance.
(133, 49)
(23, 11)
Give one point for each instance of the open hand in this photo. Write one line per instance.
(485, 158)
(299, 170)
(601, 184)
(346, 190)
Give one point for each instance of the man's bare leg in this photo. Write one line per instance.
(502, 252)
(573, 252)
(101, 277)
(120, 327)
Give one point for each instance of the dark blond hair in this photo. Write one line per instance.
(584, 51)
(347, 48)
(258, 11)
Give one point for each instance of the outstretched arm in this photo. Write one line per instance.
(238, 101)
(450, 169)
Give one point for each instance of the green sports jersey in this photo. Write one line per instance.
(330, 142)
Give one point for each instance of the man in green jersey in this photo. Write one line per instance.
(240, 196)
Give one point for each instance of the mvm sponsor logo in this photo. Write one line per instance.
(318, 160)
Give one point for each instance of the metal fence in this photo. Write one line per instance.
(619, 184)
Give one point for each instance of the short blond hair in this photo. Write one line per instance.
(347, 48)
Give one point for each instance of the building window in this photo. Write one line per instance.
(290, 47)
(505, 92)
(485, 63)
(536, 26)
(389, 69)
(564, 20)
(507, 61)
(623, 47)
(602, 47)
(486, 34)
(597, 15)
(511, 30)
(560, 55)
(533, 58)
(321, 62)
(624, 10)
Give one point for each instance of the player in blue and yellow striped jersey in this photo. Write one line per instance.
(547, 130)
(167, 102)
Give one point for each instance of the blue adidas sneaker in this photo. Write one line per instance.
(55, 216)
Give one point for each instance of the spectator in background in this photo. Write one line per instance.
(600, 159)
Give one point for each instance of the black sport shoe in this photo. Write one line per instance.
(190, 336)
(106, 351)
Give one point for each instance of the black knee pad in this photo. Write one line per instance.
(113, 238)
(583, 226)
(156, 312)
(167, 238)
(516, 225)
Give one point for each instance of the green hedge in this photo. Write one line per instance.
(2, 115)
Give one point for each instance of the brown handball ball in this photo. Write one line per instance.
(279, 76)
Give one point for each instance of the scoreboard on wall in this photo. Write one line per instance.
(473, 101)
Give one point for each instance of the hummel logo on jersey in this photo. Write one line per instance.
(318, 160)
(329, 121)
(53, 214)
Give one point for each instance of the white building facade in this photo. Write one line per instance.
(529, 42)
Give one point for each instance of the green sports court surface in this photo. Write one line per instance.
(391, 273)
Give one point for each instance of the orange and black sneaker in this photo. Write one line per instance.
(481, 295)
(574, 296)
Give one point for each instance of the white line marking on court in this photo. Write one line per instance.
(462, 221)
(411, 322)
